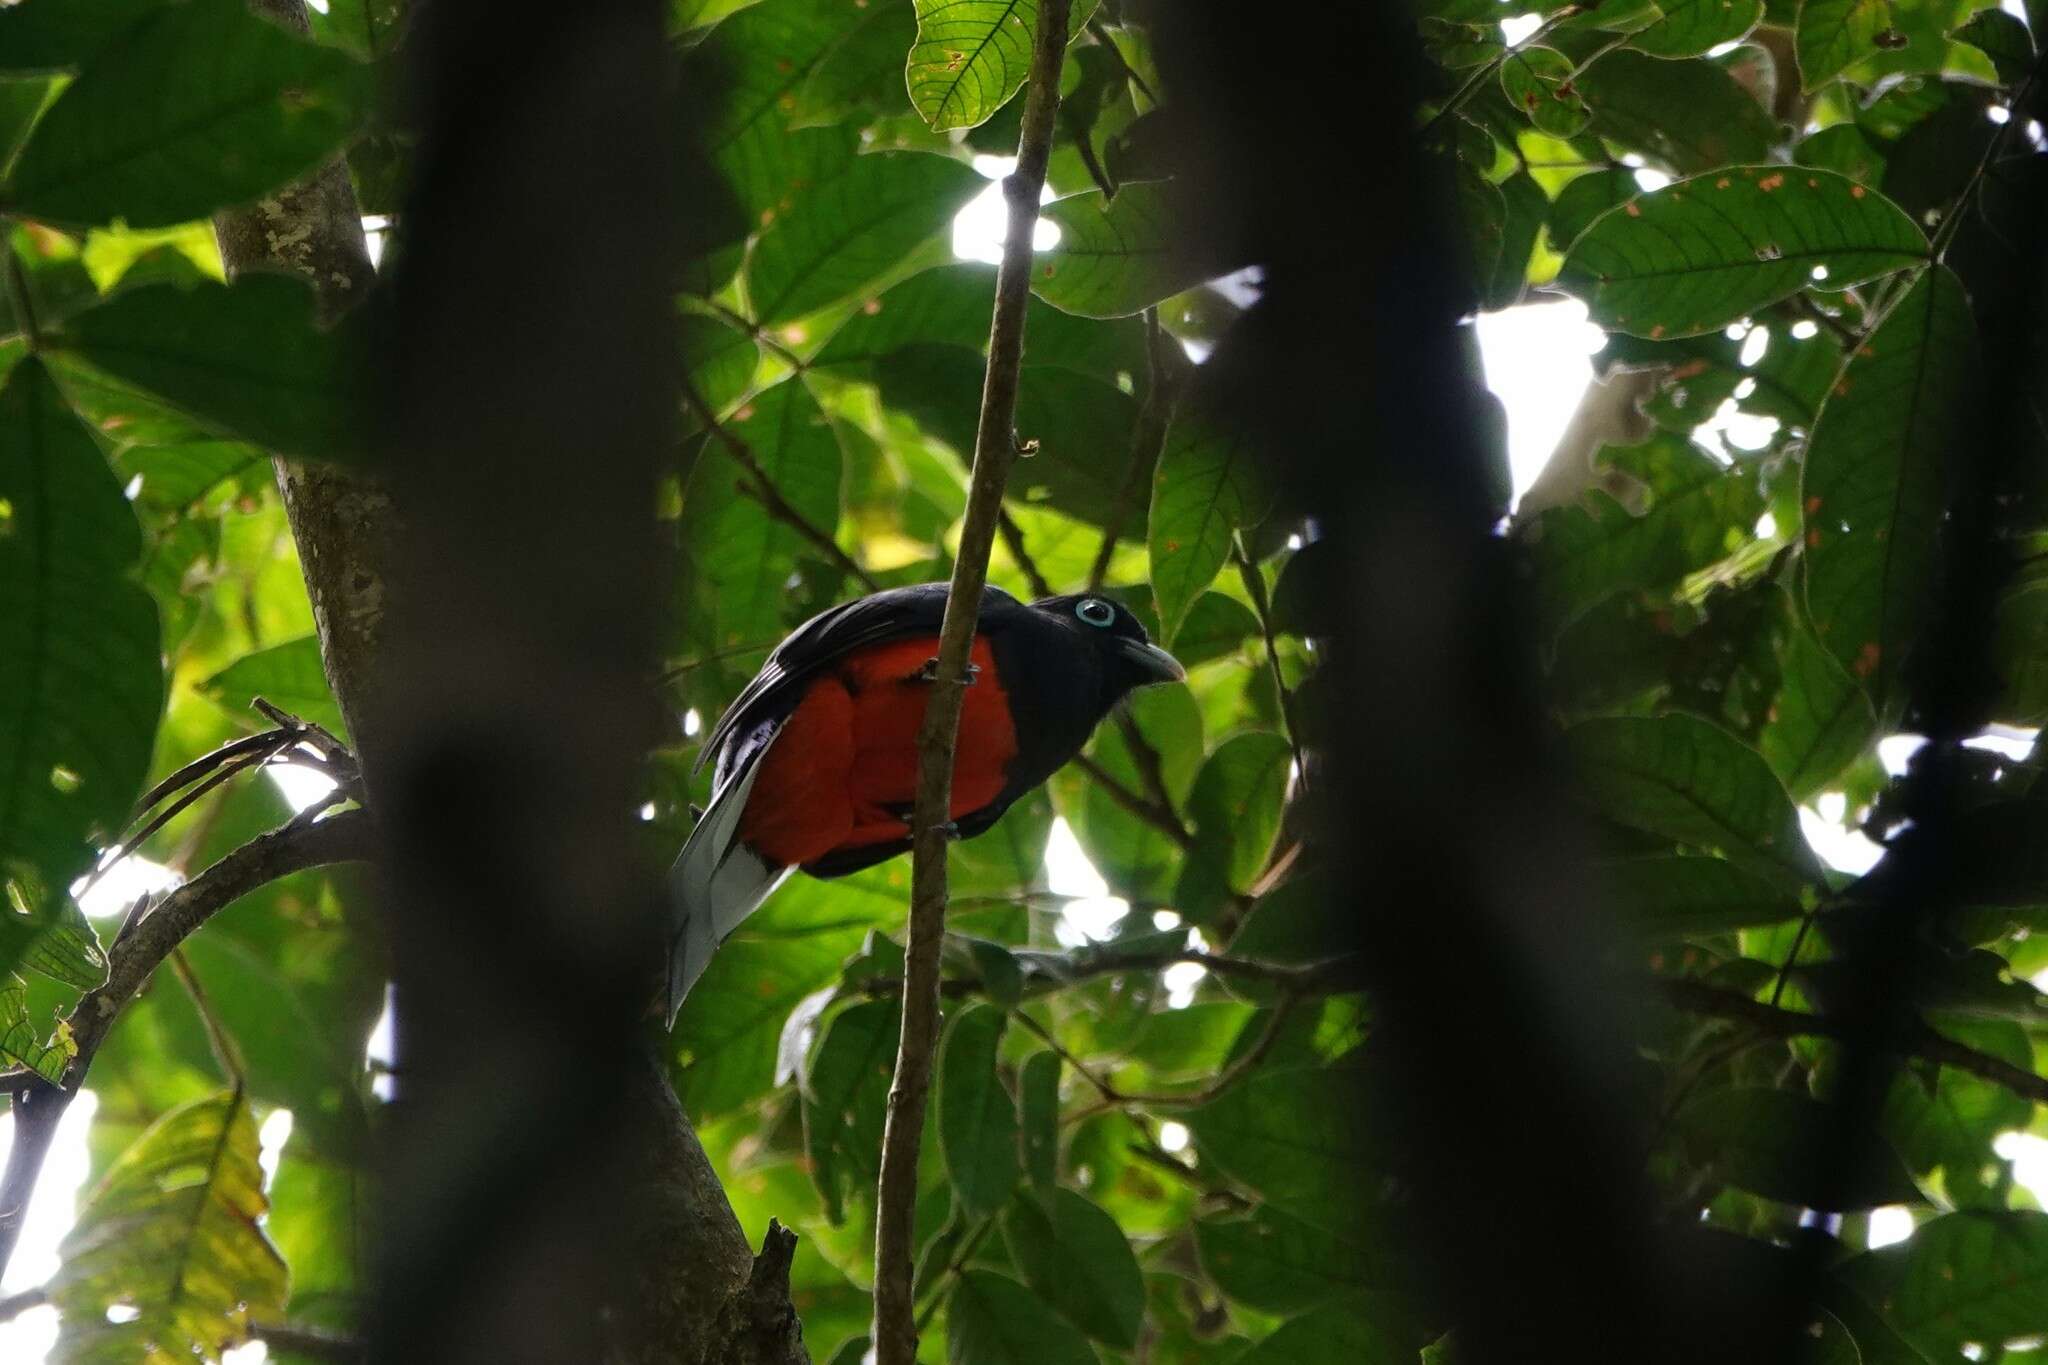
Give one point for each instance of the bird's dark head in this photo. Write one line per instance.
(1129, 658)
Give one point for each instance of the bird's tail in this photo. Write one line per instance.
(716, 882)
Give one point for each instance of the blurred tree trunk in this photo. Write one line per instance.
(658, 1213)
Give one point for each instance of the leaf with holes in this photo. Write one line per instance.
(1874, 485)
(971, 56)
(81, 681)
(1112, 259)
(1702, 253)
(977, 1118)
(1869, 38)
(1538, 81)
(246, 359)
(1687, 511)
(22, 1043)
(1694, 783)
(235, 107)
(174, 1234)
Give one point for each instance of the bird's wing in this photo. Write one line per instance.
(893, 614)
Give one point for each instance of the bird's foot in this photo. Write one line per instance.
(930, 672)
(950, 831)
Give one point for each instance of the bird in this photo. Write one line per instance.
(816, 759)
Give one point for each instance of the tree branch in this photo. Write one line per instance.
(1166, 367)
(770, 497)
(995, 450)
(1925, 1044)
(38, 1106)
(314, 1343)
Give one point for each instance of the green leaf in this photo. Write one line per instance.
(173, 1233)
(972, 56)
(837, 236)
(289, 675)
(1669, 896)
(2020, 647)
(2004, 39)
(1207, 487)
(1585, 199)
(863, 71)
(1038, 1120)
(1873, 490)
(1076, 1258)
(1137, 860)
(1115, 259)
(846, 1100)
(1873, 36)
(1971, 1276)
(1368, 1331)
(977, 1118)
(236, 107)
(1688, 115)
(1694, 783)
(993, 1320)
(727, 1045)
(1691, 511)
(81, 681)
(1278, 1264)
(1692, 28)
(1784, 1145)
(740, 559)
(1938, 1116)
(1702, 253)
(1281, 1134)
(1235, 810)
(1538, 82)
(1526, 206)
(1820, 721)
(67, 950)
(51, 35)
(951, 306)
(245, 359)
(21, 1042)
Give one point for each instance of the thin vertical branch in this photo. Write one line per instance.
(995, 450)
(1255, 588)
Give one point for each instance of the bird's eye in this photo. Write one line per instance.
(1095, 611)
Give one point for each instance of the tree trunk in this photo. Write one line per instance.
(688, 1257)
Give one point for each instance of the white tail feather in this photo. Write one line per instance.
(716, 882)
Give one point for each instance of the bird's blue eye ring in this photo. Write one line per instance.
(1095, 611)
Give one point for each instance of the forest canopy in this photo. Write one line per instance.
(1799, 220)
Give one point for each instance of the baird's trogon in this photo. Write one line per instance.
(817, 757)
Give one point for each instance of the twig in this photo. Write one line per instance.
(1113, 1098)
(1945, 232)
(1255, 588)
(315, 1343)
(1153, 814)
(995, 450)
(1166, 369)
(17, 293)
(1333, 976)
(1924, 1043)
(968, 1245)
(1013, 541)
(14, 1305)
(1101, 34)
(755, 331)
(226, 1052)
(38, 1106)
(764, 490)
(1486, 72)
